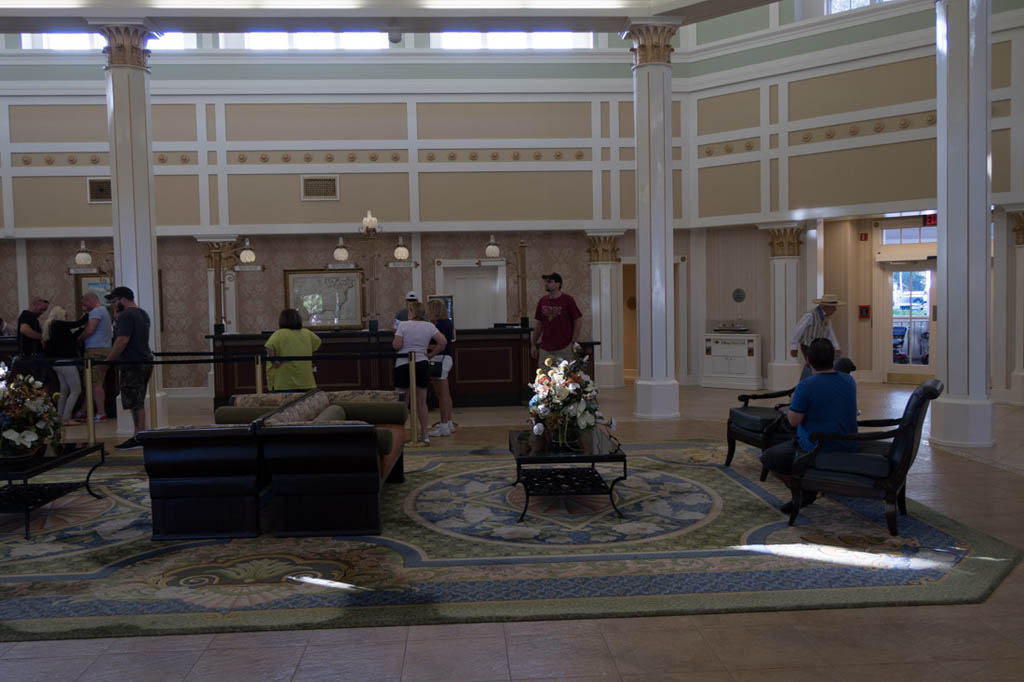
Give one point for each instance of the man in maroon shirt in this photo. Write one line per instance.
(558, 323)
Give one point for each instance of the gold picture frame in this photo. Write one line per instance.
(326, 299)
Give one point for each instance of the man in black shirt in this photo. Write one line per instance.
(131, 344)
(30, 343)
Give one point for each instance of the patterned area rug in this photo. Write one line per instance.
(695, 537)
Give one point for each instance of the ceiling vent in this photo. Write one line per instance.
(319, 187)
(99, 190)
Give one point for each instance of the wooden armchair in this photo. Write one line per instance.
(878, 469)
(759, 426)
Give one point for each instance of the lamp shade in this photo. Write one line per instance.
(401, 251)
(247, 255)
(492, 250)
(83, 257)
(341, 251)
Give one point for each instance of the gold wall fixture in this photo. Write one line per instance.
(603, 249)
(545, 154)
(126, 46)
(652, 43)
(741, 146)
(863, 128)
(784, 241)
(289, 155)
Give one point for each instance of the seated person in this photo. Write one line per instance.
(825, 402)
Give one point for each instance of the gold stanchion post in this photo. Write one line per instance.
(152, 399)
(90, 409)
(414, 420)
(259, 374)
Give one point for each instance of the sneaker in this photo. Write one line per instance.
(130, 444)
(101, 418)
(439, 430)
(425, 440)
(451, 427)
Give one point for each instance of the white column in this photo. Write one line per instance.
(606, 308)
(128, 121)
(656, 388)
(1017, 353)
(1000, 344)
(962, 416)
(814, 261)
(784, 268)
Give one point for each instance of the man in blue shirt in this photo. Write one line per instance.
(825, 402)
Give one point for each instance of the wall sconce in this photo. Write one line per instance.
(401, 251)
(370, 225)
(247, 255)
(341, 251)
(492, 250)
(83, 257)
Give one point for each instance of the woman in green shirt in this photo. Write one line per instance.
(291, 340)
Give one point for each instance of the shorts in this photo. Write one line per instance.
(422, 374)
(446, 367)
(134, 380)
(99, 372)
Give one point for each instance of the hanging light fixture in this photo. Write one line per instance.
(83, 257)
(247, 255)
(401, 251)
(492, 250)
(341, 251)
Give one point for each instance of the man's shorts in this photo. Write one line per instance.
(134, 380)
(99, 372)
(555, 355)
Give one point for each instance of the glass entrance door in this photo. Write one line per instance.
(912, 291)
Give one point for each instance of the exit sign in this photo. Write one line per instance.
(930, 220)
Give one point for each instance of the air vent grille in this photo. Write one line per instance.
(99, 190)
(319, 187)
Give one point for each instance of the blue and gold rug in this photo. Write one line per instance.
(696, 537)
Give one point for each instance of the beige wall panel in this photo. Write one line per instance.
(270, 199)
(677, 120)
(606, 195)
(56, 202)
(677, 194)
(889, 172)
(729, 112)
(773, 104)
(177, 199)
(606, 154)
(627, 195)
(1001, 168)
(59, 123)
(211, 122)
(849, 267)
(1001, 108)
(211, 158)
(677, 153)
(553, 195)
(773, 194)
(729, 190)
(214, 203)
(738, 257)
(773, 141)
(473, 120)
(626, 127)
(605, 120)
(182, 265)
(1001, 64)
(173, 122)
(627, 154)
(878, 86)
(316, 121)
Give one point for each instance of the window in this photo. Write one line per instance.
(501, 40)
(909, 235)
(173, 41)
(838, 6)
(304, 41)
(95, 41)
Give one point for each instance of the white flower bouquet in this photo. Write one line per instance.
(28, 415)
(564, 401)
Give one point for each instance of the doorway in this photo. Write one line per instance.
(477, 290)
(911, 314)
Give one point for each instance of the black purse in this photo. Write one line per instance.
(436, 367)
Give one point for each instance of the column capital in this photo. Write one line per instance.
(784, 241)
(225, 246)
(603, 248)
(652, 40)
(126, 42)
(1017, 219)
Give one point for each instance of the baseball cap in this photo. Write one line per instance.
(120, 292)
(411, 296)
(554, 277)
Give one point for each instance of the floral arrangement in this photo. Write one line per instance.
(28, 415)
(564, 400)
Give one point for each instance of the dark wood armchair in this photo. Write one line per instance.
(760, 426)
(878, 469)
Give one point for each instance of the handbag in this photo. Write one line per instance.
(436, 367)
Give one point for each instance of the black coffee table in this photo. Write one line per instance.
(28, 496)
(537, 470)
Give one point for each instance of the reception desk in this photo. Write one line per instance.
(491, 366)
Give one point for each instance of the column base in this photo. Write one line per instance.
(608, 374)
(783, 375)
(656, 398)
(961, 423)
(125, 425)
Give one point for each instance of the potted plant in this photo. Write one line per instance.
(29, 420)
(564, 403)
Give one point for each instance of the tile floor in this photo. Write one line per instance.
(976, 642)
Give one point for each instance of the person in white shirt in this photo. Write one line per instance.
(413, 336)
(815, 324)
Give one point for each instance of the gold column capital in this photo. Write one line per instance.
(226, 251)
(652, 42)
(126, 45)
(603, 249)
(1018, 228)
(785, 241)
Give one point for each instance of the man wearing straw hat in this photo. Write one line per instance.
(815, 324)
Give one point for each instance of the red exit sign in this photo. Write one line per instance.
(930, 219)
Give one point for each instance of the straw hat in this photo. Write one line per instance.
(829, 299)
